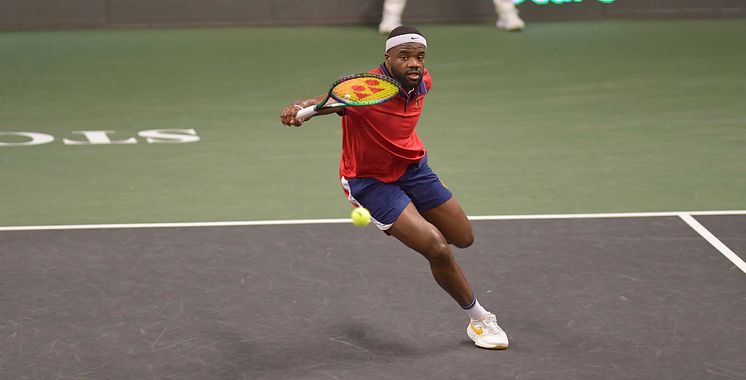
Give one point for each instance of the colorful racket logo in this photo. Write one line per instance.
(365, 90)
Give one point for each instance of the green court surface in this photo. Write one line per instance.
(562, 118)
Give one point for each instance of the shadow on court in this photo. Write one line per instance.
(633, 298)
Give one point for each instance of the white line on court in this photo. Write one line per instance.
(347, 220)
(686, 216)
(707, 235)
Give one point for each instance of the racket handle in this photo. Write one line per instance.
(305, 113)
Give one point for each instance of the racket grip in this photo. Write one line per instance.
(305, 113)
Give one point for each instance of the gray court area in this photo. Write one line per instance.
(628, 298)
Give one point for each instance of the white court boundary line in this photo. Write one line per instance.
(686, 216)
(707, 235)
(347, 220)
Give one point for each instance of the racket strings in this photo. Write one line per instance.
(364, 90)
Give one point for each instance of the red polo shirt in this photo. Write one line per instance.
(380, 141)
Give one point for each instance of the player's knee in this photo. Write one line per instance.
(464, 241)
(438, 250)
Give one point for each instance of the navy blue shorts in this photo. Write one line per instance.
(386, 201)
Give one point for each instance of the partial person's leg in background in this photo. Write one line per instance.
(507, 16)
(391, 15)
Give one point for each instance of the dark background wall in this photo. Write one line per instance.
(32, 14)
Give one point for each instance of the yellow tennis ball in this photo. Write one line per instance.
(360, 216)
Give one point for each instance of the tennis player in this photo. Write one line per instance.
(384, 169)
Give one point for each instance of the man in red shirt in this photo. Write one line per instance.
(384, 169)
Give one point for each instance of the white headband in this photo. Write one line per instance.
(403, 39)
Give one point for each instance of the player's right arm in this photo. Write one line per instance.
(289, 113)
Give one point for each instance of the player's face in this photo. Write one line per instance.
(407, 63)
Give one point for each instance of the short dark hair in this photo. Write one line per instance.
(399, 30)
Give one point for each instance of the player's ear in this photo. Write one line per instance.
(387, 57)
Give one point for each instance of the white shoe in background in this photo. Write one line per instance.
(507, 16)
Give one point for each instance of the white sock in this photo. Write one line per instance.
(475, 310)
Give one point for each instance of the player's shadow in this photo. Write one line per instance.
(343, 345)
(362, 338)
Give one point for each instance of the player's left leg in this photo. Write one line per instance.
(450, 219)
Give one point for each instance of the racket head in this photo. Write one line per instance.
(364, 89)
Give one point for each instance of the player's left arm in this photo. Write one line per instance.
(289, 113)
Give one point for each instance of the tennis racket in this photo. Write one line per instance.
(355, 90)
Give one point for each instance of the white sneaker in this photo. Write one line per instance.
(510, 21)
(487, 334)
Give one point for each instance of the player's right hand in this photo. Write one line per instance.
(289, 115)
